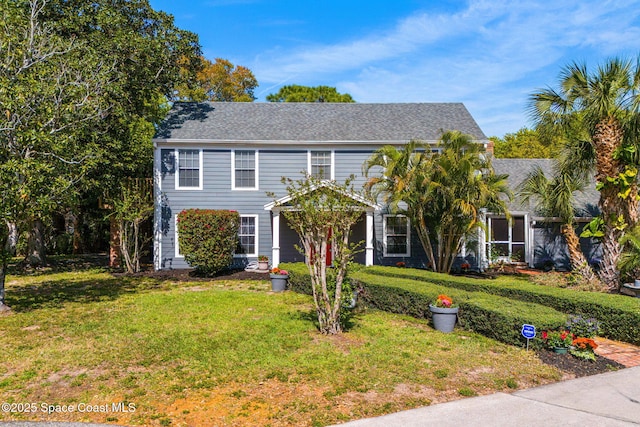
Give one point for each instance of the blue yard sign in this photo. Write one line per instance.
(529, 332)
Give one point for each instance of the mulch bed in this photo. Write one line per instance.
(188, 275)
(578, 367)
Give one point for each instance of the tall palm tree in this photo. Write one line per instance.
(555, 198)
(606, 104)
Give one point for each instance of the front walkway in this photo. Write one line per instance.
(621, 352)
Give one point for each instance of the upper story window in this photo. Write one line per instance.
(396, 236)
(244, 169)
(321, 164)
(189, 170)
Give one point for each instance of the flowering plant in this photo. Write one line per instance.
(263, 258)
(557, 339)
(583, 348)
(444, 301)
(400, 264)
(583, 327)
(276, 270)
(465, 266)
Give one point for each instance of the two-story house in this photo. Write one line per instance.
(229, 155)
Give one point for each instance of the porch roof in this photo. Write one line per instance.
(367, 204)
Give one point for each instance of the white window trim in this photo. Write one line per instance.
(175, 232)
(510, 242)
(333, 162)
(233, 172)
(384, 237)
(257, 234)
(200, 169)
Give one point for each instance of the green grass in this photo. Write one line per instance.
(255, 356)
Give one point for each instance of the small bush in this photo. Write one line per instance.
(208, 238)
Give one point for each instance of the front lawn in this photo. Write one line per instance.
(228, 353)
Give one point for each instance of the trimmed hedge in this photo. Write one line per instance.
(619, 315)
(490, 315)
(493, 316)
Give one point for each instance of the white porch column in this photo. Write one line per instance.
(530, 244)
(275, 239)
(482, 242)
(369, 239)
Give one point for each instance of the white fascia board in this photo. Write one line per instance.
(342, 143)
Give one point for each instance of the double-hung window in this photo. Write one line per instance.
(189, 170)
(248, 236)
(321, 164)
(396, 236)
(245, 169)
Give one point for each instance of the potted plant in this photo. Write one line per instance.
(444, 313)
(263, 262)
(558, 341)
(279, 279)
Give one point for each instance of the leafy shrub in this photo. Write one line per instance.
(207, 238)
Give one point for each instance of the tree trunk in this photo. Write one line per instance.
(36, 254)
(3, 272)
(577, 259)
(12, 239)
(611, 251)
(77, 234)
(114, 243)
(607, 138)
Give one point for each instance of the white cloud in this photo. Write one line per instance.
(489, 56)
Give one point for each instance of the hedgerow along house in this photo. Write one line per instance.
(230, 155)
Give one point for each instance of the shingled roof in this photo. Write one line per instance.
(519, 169)
(240, 121)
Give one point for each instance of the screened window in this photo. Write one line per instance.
(189, 169)
(248, 236)
(507, 238)
(396, 235)
(321, 165)
(245, 169)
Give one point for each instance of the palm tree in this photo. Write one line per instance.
(404, 180)
(555, 198)
(442, 193)
(467, 183)
(605, 104)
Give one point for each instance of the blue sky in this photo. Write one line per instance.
(489, 54)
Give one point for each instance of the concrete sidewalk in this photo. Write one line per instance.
(611, 399)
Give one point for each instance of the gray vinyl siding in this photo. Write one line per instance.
(549, 245)
(350, 162)
(417, 258)
(217, 193)
(273, 164)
